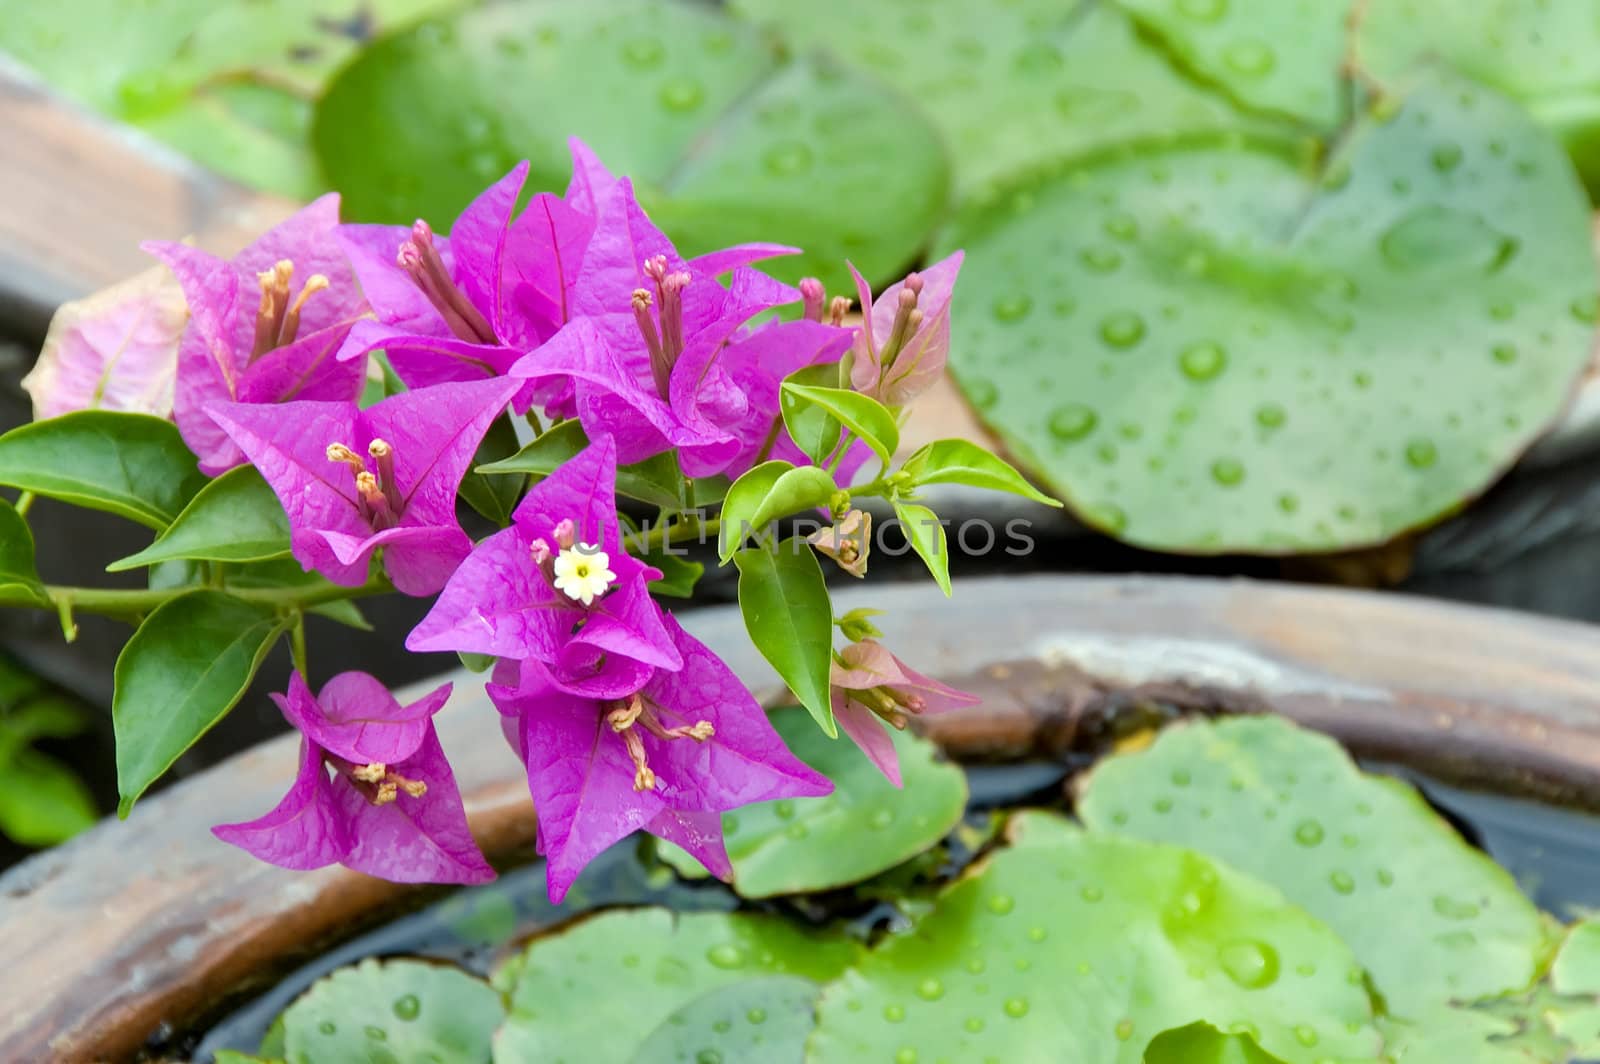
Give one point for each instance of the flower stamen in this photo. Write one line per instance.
(419, 257)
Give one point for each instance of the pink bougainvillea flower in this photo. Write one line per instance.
(872, 687)
(265, 326)
(667, 758)
(903, 346)
(114, 350)
(355, 480)
(557, 587)
(374, 791)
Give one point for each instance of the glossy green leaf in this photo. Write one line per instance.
(393, 1010)
(786, 609)
(766, 1019)
(1544, 54)
(1456, 1036)
(1227, 357)
(655, 480)
(863, 415)
(1282, 56)
(1010, 84)
(927, 537)
(19, 579)
(494, 495)
(722, 136)
(1576, 969)
(42, 802)
(813, 429)
(866, 826)
(1433, 919)
(1200, 1043)
(234, 518)
(134, 465)
(964, 462)
(766, 493)
(179, 674)
(596, 990)
(344, 612)
(678, 574)
(229, 82)
(1093, 945)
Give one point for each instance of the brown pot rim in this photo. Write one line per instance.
(148, 922)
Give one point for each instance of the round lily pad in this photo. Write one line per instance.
(1210, 348)
(385, 1012)
(1278, 55)
(1081, 947)
(1010, 84)
(1433, 919)
(725, 139)
(598, 989)
(866, 826)
(766, 1020)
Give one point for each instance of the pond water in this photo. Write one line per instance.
(1553, 853)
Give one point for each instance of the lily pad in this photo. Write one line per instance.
(1010, 84)
(1277, 55)
(1544, 54)
(228, 82)
(1431, 918)
(766, 1020)
(722, 136)
(1092, 946)
(398, 1010)
(597, 990)
(866, 826)
(1209, 348)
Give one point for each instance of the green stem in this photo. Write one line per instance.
(23, 504)
(844, 448)
(770, 442)
(688, 528)
(297, 645)
(130, 604)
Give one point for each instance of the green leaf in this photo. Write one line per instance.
(388, 383)
(227, 83)
(19, 579)
(494, 495)
(133, 465)
(766, 493)
(179, 674)
(678, 574)
(1282, 56)
(927, 537)
(1231, 357)
(597, 989)
(1200, 1043)
(861, 414)
(1093, 945)
(234, 518)
(476, 662)
(42, 802)
(964, 462)
(723, 135)
(763, 1019)
(1011, 85)
(393, 1010)
(1544, 55)
(1576, 969)
(344, 612)
(786, 609)
(811, 427)
(1432, 918)
(866, 826)
(656, 480)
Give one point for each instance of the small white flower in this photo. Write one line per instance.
(583, 572)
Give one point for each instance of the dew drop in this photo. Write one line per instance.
(1385, 878)
(1587, 309)
(1203, 10)
(1342, 882)
(682, 94)
(1203, 361)
(784, 808)
(973, 1024)
(1121, 226)
(787, 158)
(1124, 1029)
(1271, 416)
(976, 965)
(1100, 259)
(1181, 777)
(1227, 471)
(1122, 329)
(905, 1055)
(1457, 940)
(1451, 909)
(1248, 963)
(894, 1013)
(1036, 934)
(1421, 454)
(1305, 1036)
(375, 1034)
(642, 52)
(980, 393)
(1288, 503)
(1438, 238)
(1308, 833)
(1001, 904)
(756, 1015)
(1505, 354)
(1073, 421)
(726, 956)
(328, 1027)
(1091, 893)
(1040, 57)
(1250, 58)
(1162, 805)
(1446, 157)
(708, 1056)
(797, 831)
(407, 1007)
(881, 818)
(1016, 1007)
(1012, 308)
